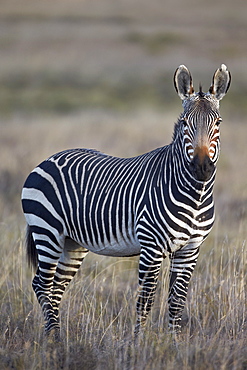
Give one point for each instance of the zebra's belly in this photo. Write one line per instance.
(123, 248)
(115, 248)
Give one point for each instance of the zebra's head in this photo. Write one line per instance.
(200, 121)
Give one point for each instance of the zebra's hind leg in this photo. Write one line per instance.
(48, 244)
(42, 286)
(68, 265)
(182, 266)
(149, 267)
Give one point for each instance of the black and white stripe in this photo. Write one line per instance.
(155, 205)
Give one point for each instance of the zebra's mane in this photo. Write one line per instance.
(200, 93)
(177, 127)
(93, 151)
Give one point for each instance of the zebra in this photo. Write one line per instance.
(155, 205)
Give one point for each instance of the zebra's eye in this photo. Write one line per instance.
(184, 122)
(218, 121)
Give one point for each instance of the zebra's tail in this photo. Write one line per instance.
(32, 255)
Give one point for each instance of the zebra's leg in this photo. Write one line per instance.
(149, 267)
(43, 282)
(182, 266)
(68, 264)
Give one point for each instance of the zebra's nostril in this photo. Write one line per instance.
(208, 166)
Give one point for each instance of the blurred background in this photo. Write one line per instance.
(99, 74)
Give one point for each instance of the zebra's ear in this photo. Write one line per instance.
(221, 82)
(183, 82)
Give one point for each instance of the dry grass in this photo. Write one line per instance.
(116, 63)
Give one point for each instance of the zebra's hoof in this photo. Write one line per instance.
(53, 336)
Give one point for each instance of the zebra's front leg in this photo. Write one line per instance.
(182, 266)
(149, 267)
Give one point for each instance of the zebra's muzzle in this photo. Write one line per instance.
(202, 169)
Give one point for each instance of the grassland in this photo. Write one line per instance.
(81, 75)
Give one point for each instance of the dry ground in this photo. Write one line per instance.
(98, 74)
